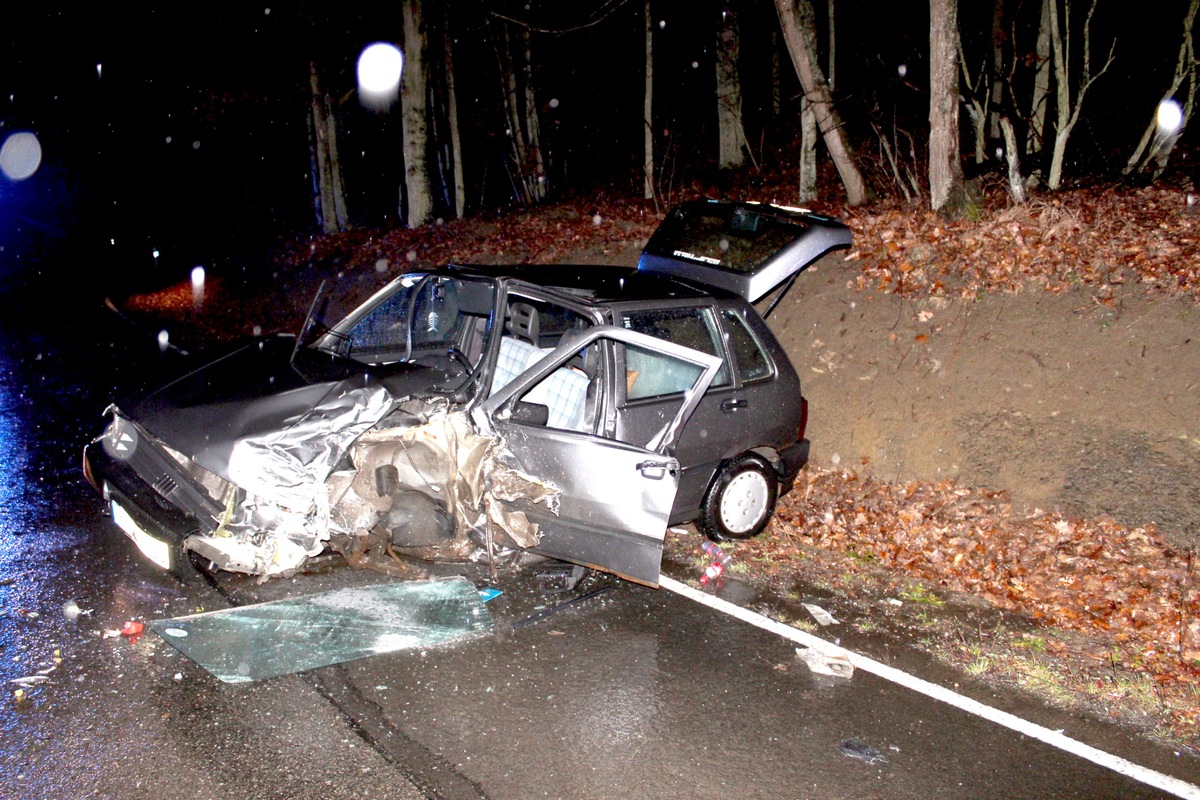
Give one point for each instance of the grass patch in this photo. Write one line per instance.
(917, 593)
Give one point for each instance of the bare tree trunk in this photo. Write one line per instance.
(731, 135)
(331, 198)
(516, 133)
(945, 168)
(1066, 107)
(832, 49)
(527, 166)
(776, 76)
(648, 112)
(1041, 85)
(1015, 186)
(808, 152)
(800, 33)
(903, 174)
(533, 124)
(997, 86)
(460, 186)
(1164, 141)
(977, 109)
(414, 105)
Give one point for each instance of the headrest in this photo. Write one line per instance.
(523, 322)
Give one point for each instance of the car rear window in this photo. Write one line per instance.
(733, 238)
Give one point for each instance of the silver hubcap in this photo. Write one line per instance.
(744, 502)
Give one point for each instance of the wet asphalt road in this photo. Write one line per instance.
(631, 693)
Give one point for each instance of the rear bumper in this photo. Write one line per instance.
(794, 458)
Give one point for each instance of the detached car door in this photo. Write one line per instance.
(613, 497)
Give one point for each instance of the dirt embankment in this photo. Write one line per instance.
(1066, 403)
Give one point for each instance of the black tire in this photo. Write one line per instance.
(741, 500)
(190, 569)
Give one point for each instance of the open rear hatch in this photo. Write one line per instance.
(745, 248)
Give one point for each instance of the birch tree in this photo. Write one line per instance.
(945, 167)
(731, 135)
(414, 110)
(800, 34)
(1157, 142)
(1069, 102)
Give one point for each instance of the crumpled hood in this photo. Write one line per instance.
(257, 420)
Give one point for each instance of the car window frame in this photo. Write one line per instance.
(755, 338)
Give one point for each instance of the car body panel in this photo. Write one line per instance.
(587, 527)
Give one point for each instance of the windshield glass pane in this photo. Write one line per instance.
(418, 315)
(253, 642)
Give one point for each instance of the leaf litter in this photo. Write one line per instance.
(1115, 604)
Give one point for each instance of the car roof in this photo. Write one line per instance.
(598, 284)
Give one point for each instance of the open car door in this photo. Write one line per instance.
(613, 498)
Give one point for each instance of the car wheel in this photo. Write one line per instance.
(740, 501)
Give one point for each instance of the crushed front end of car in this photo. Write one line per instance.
(362, 474)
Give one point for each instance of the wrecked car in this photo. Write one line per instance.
(484, 412)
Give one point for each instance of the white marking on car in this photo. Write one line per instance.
(702, 259)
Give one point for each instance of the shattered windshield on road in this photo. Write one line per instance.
(420, 317)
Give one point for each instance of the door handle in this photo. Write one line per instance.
(731, 405)
(660, 467)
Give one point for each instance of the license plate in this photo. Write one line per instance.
(156, 550)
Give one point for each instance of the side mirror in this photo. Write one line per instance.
(531, 413)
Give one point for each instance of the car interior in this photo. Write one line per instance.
(566, 392)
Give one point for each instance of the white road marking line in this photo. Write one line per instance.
(1117, 764)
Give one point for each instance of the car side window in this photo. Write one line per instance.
(748, 355)
(649, 374)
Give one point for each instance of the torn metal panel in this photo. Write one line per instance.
(408, 478)
(421, 483)
(286, 466)
(266, 640)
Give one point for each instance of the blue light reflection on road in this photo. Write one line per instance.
(14, 493)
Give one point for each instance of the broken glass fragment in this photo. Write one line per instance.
(265, 640)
